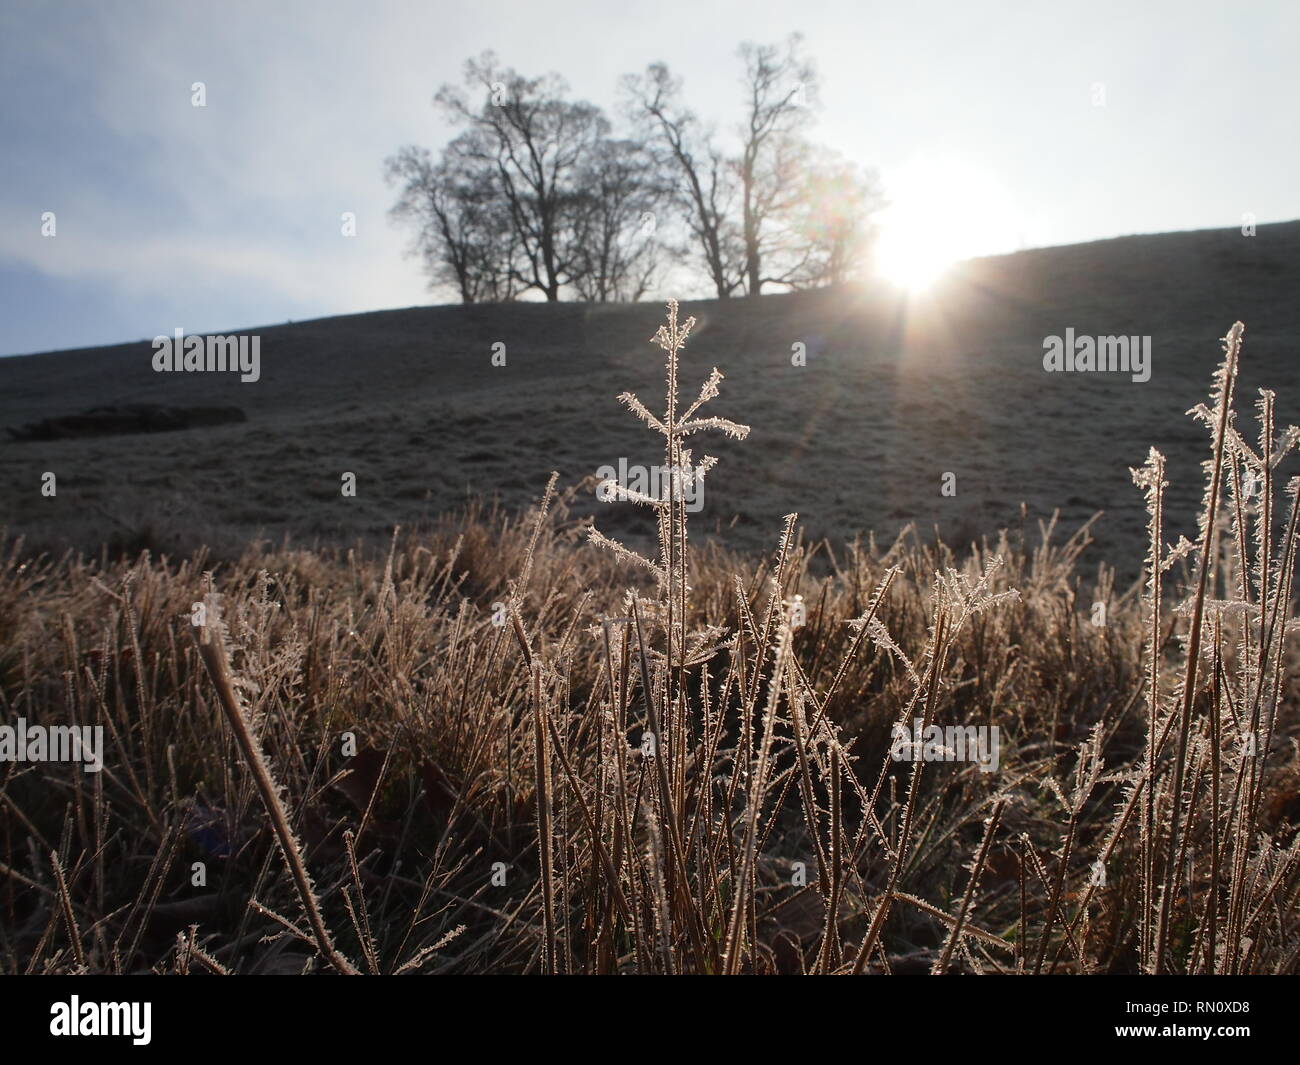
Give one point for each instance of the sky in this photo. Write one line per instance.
(999, 124)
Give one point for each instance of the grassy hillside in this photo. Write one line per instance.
(894, 395)
(506, 745)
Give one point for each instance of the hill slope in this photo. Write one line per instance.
(894, 396)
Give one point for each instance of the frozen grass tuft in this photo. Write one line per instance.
(500, 749)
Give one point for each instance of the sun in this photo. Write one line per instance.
(912, 258)
(940, 212)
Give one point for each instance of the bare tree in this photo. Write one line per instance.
(463, 232)
(534, 195)
(617, 238)
(780, 86)
(826, 234)
(703, 180)
(536, 145)
(840, 202)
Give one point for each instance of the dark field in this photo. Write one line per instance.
(893, 396)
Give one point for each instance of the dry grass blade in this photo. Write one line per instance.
(210, 642)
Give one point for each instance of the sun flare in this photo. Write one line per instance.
(939, 213)
(913, 259)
